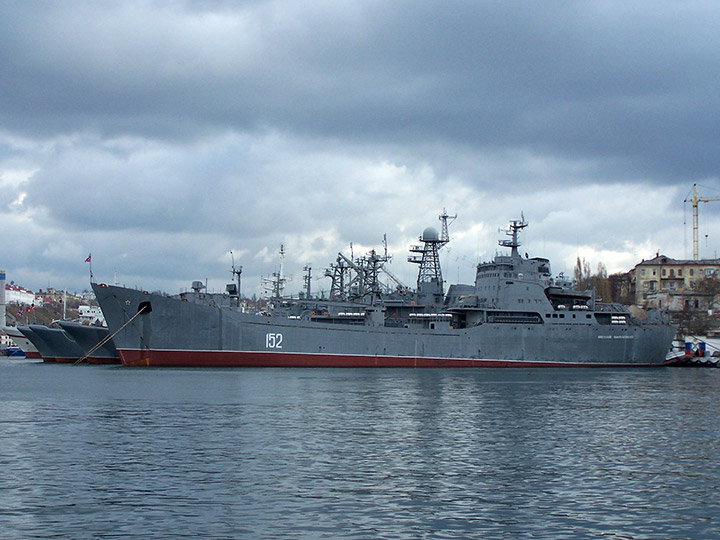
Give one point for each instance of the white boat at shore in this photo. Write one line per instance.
(26, 346)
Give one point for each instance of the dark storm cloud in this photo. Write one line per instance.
(633, 84)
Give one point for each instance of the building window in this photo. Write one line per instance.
(679, 272)
(664, 272)
(692, 272)
(642, 272)
(654, 272)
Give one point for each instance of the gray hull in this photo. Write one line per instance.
(40, 345)
(89, 337)
(171, 332)
(53, 344)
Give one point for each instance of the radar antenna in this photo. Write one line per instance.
(236, 271)
(445, 220)
(276, 284)
(515, 227)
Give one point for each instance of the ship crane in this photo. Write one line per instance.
(694, 200)
(401, 286)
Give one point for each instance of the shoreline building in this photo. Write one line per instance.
(676, 284)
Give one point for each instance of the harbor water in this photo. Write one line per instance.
(113, 452)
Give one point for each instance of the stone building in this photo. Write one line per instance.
(675, 284)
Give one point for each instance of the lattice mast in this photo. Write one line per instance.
(427, 256)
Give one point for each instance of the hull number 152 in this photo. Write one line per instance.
(273, 341)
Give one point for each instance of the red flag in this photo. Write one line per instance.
(89, 258)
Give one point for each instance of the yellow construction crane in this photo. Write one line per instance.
(694, 200)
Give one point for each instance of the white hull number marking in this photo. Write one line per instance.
(273, 341)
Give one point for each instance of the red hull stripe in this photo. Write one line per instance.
(175, 358)
(102, 360)
(32, 354)
(89, 360)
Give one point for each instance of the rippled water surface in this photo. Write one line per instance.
(112, 452)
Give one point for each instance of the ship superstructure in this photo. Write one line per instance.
(514, 314)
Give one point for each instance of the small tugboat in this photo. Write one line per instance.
(695, 353)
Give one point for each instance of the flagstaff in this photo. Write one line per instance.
(89, 260)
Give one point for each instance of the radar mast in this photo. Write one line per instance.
(276, 284)
(236, 272)
(515, 227)
(430, 280)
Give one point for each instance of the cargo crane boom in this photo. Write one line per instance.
(694, 200)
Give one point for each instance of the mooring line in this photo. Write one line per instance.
(108, 338)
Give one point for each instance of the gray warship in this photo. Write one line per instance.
(94, 342)
(514, 315)
(54, 344)
(71, 342)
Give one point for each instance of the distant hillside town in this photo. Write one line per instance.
(16, 294)
(23, 306)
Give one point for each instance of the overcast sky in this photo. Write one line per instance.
(162, 135)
